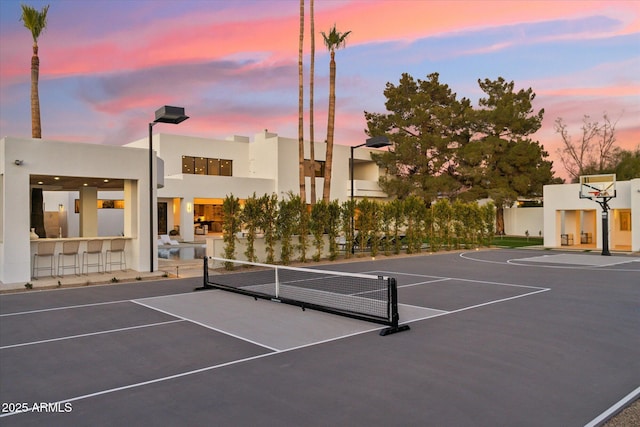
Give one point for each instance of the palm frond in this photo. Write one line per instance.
(34, 20)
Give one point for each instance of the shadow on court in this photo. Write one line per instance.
(500, 337)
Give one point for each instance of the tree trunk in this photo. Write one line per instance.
(499, 220)
(312, 153)
(37, 200)
(36, 128)
(303, 195)
(326, 194)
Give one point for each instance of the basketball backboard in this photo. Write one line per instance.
(598, 186)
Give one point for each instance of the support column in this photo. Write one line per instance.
(88, 212)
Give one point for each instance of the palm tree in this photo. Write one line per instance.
(35, 22)
(303, 195)
(312, 153)
(334, 40)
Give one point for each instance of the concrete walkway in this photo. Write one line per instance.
(166, 268)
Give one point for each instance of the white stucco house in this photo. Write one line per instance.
(572, 222)
(70, 172)
(200, 172)
(102, 192)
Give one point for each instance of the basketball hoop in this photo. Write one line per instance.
(601, 189)
(594, 187)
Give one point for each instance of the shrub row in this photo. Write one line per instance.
(387, 227)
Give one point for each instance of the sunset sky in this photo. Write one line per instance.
(107, 65)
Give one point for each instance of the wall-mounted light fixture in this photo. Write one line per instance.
(18, 162)
(60, 207)
(189, 207)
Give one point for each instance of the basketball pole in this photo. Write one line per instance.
(605, 226)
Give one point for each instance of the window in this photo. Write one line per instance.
(200, 164)
(625, 220)
(225, 167)
(214, 167)
(206, 166)
(187, 164)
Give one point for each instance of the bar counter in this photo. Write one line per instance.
(59, 241)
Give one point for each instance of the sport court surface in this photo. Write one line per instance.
(499, 337)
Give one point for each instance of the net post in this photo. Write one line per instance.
(205, 276)
(394, 317)
(277, 280)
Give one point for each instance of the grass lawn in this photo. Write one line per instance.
(516, 241)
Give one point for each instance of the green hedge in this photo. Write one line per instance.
(388, 227)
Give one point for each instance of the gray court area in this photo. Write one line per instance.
(498, 337)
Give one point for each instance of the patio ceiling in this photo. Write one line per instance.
(74, 183)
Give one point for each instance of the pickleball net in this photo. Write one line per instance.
(373, 298)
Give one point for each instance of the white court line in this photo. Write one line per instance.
(458, 278)
(196, 371)
(207, 326)
(62, 308)
(90, 334)
(428, 282)
(491, 302)
(88, 305)
(275, 351)
(615, 408)
(514, 262)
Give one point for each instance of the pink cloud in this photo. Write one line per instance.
(409, 19)
(610, 91)
(203, 37)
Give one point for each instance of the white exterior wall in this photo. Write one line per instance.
(517, 221)
(266, 165)
(565, 197)
(46, 157)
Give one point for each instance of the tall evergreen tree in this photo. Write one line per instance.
(503, 162)
(427, 125)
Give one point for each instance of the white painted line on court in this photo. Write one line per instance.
(235, 362)
(422, 308)
(428, 282)
(615, 408)
(44, 310)
(274, 351)
(70, 337)
(208, 326)
(458, 278)
(471, 307)
(514, 262)
(193, 372)
(144, 383)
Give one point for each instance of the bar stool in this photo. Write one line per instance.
(94, 247)
(69, 249)
(44, 249)
(117, 247)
